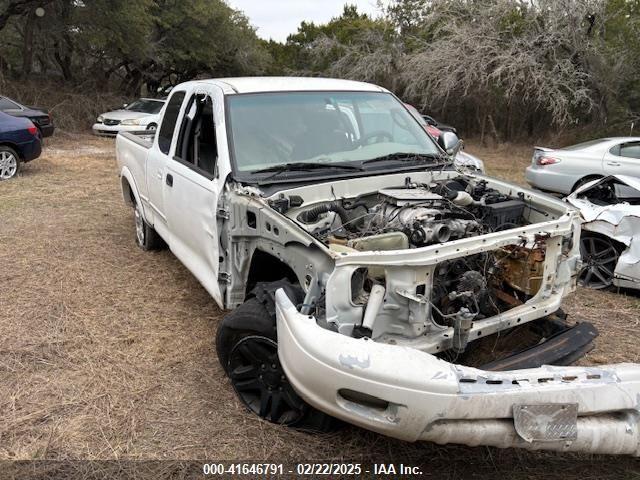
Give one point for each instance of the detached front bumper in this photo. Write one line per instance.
(408, 394)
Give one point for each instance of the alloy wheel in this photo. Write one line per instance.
(260, 382)
(139, 225)
(8, 165)
(599, 257)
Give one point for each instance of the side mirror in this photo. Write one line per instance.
(125, 105)
(450, 143)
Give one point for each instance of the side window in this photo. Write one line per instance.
(6, 104)
(165, 134)
(197, 141)
(630, 150)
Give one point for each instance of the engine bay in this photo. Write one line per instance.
(413, 215)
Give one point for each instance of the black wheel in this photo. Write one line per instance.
(152, 127)
(599, 257)
(258, 379)
(9, 163)
(146, 237)
(246, 344)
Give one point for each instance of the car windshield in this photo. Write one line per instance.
(276, 129)
(145, 106)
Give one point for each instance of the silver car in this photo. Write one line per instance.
(565, 169)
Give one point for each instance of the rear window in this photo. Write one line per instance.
(165, 134)
(6, 104)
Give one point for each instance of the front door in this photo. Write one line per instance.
(191, 194)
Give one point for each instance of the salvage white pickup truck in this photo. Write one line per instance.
(357, 260)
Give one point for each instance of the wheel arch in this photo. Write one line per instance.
(12, 146)
(129, 191)
(620, 247)
(585, 179)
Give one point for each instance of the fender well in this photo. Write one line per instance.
(127, 191)
(267, 268)
(13, 146)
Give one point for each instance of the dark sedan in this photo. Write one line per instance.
(41, 118)
(19, 142)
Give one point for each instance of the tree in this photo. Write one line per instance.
(146, 42)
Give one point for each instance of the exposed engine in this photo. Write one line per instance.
(413, 215)
(457, 292)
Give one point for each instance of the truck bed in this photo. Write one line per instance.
(142, 138)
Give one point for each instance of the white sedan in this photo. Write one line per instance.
(565, 169)
(609, 243)
(143, 114)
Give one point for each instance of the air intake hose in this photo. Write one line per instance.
(311, 215)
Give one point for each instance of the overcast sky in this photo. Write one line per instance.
(278, 18)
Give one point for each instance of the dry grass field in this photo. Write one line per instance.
(106, 352)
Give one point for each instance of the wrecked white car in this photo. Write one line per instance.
(610, 246)
(361, 268)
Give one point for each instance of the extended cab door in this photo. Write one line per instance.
(157, 160)
(193, 186)
(623, 159)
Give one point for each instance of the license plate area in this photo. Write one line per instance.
(547, 422)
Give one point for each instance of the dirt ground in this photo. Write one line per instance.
(106, 352)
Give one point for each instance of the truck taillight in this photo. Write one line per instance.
(32, 129)
(544, 160)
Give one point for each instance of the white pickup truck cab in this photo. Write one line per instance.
(360, 264)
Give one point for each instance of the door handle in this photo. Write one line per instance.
(159, 174)
(613, 164)
(169, 179)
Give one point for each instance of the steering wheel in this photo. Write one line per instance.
(378, 135)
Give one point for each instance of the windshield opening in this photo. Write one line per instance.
(145, 106)
(275, 129)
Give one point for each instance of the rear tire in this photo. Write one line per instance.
(152, 127)
(246, 345)
(9, 163)
(146, 237)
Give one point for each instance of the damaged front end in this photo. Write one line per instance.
(610, 208)
(412, 395)
(421, 272)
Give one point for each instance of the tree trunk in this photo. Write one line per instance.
(27, 50)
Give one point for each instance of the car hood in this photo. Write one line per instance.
(464, 159)
(610, 213)
(126, 115)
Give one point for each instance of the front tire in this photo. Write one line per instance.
(152, 127)
(246, 344)
(146, 237)
(9, 163)
(600, 257)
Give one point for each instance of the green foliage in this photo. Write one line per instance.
(142, 42)
(508, 67)
(296, 55)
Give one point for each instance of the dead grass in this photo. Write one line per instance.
(106, 351)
